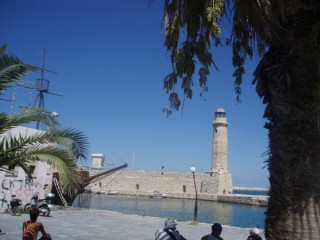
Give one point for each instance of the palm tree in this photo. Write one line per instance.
(58, 147)
(11, 69)
(286, 35)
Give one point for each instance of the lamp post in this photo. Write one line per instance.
(195, 215)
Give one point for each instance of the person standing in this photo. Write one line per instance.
(31, 228)
(169, 231)
(216, 230)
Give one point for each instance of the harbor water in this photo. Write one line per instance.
(251, 192)
(238, 215)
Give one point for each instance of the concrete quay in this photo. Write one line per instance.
(83, 224)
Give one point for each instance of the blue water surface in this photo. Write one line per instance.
(251, 192)
(238, 215)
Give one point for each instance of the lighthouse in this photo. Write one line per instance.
(220, 141)
(219, 180)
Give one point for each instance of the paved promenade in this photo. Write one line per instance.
(82, 224)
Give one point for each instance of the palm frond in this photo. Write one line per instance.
(3, 48)
(73, 139)
(60, 148)
(12, 69)
(63, 161)
(21, 154)
(26, 116)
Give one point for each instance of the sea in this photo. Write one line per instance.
(251, 192)
(238, 215)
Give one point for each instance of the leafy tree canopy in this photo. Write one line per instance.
(192, 27)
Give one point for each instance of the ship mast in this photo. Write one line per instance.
(42, 86)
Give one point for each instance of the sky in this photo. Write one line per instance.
(111, 62)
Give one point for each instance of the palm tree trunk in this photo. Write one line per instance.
(288, 80)
(294, 165)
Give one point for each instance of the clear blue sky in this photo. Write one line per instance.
(111, 63)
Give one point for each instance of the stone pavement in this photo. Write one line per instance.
(84, 224)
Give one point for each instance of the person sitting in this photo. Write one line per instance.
(254, 234)
(216, 230)
(31, 228)
(169, 231)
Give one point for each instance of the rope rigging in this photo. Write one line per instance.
(92, 195)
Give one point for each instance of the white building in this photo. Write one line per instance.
(17, 183)
(98, 160)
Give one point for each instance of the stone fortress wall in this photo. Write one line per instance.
(175, 185)
(215, 184)
(147, 182)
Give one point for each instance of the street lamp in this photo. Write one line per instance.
(195, 216)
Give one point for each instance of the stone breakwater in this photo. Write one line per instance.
(251, 189)
(174, 185)
(244, 199)
(229, 198)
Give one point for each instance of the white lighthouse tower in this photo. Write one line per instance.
(220, 180)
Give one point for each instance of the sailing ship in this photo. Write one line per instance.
(82, 193)
(42, 87)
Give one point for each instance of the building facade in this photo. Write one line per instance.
(17, 182)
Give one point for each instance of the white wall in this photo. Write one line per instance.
(17, 183)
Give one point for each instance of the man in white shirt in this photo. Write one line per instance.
(169, 231)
